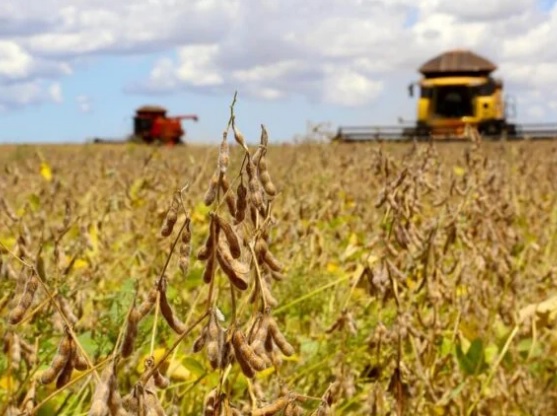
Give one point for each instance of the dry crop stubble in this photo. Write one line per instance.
(416, 279)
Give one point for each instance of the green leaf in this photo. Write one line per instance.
(473, 362)
(194, 366)
(456, 391)
(527, 347)
(34, 202)
(39, 265)
(128, 287)
(446, 346)
(88, 344)
(171, 293)
(194, 278)
(309, 348)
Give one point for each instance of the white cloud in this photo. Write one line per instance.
(27, 93)
(341, 52)
(84, 103)
(129, 26)
(22, 76)
(55, 93)
(484, 10)
(537, 75)
(349, 88)
(14, 61)
(536, 112)
(45, 39)
(71, 43)
(22, 94)
(197, 65)
(261, 73)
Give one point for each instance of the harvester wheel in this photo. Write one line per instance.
(510, 129)
(492, 129)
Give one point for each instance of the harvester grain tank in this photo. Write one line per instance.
(152, 125)
(457, 95)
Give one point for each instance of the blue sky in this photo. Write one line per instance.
(72, 71)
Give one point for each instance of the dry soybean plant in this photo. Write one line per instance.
(455, 328)
(391, 278)
(238, 334)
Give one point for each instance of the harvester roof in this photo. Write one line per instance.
(151, 109)
(457, 62)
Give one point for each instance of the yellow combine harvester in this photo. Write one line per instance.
(457, 96)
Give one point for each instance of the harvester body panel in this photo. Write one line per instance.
(448, 104)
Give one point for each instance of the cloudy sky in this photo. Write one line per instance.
(71, 70)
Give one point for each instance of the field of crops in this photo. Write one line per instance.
(304, 279)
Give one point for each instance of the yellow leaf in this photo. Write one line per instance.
(6, 383)
(136, 187)
(74, 232)
(332, 267)
(350, 251)
(499, 328)
(439, 410)
(461, 290)
(464, 341)
(175, 369)
(8, 242)
(352, 247)
(459, 171)
(358, 272)
(491, 353)
(200, 213)
(46, 171)
(80, 264)
(371, 260)
(94, 238)
(468, 330)
(266, 373)
(293, 358)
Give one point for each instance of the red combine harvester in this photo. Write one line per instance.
(151, 125)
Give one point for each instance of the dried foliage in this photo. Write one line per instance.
(255, 279)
